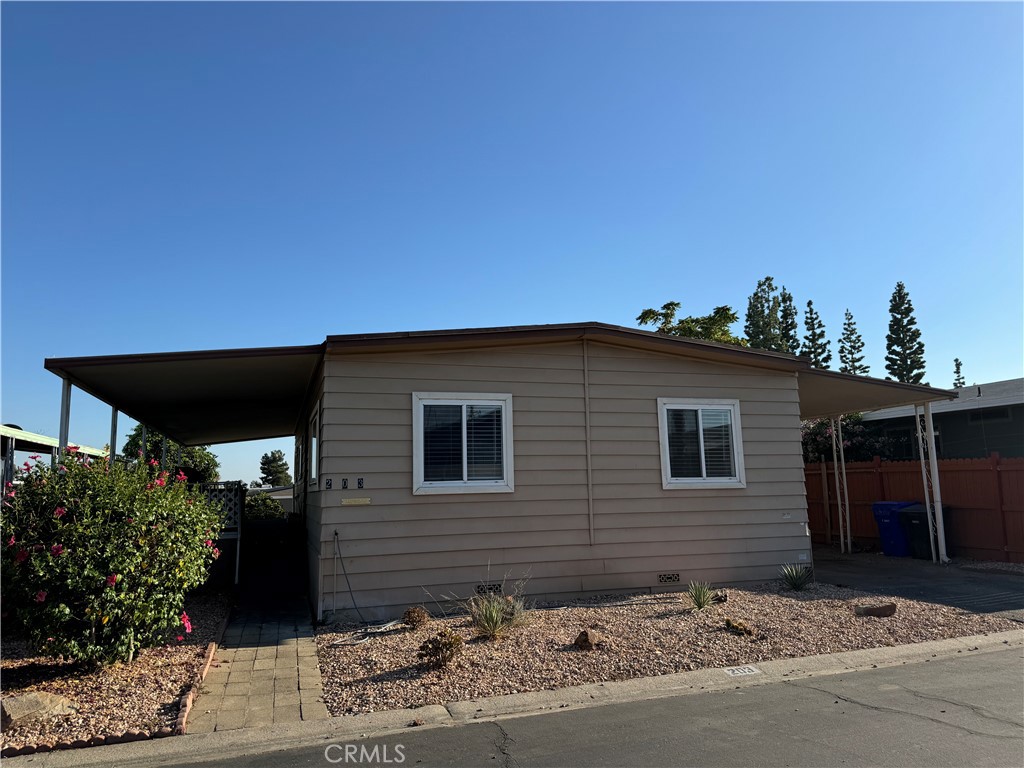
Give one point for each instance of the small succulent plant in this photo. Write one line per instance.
(738, 627)
(701, 594)
(415, 616)
(796, 577)
(440, 649)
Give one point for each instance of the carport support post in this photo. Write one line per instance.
(65, 414)
(113, 437)
(839, 496)
(924, 482)
(933, 462)
(846, 486)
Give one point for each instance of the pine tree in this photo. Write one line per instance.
(763, 325)
(851, 348)
(815, 346)
(958, 376)
(788, 323)
(274, 469)
(904, 358)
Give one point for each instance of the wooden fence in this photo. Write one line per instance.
(982, 500)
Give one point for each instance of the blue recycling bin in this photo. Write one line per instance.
(890, 527)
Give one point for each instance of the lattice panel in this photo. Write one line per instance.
(232, 500)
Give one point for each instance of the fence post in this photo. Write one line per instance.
(994, 463)
(879, 482)
(824, 500)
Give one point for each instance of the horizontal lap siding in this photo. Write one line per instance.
(401, 544)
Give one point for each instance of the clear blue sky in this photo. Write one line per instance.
(193, 176)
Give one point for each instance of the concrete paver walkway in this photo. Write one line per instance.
(265, 672)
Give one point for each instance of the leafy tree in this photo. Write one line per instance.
(274, 469)
(816, 346)
(711, 327)
(851, 348)
(763, 323)
(198, 464)
(861, 441)
(904, 358)
(97, 559)
(788, 323)
(958, 376)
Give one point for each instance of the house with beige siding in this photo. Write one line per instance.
(586, 458)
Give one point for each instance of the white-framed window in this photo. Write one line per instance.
(314, 443)
(701, 444)
(461, 443)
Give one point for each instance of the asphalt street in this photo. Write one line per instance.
(960, 711)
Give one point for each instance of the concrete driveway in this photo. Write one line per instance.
(953, 585)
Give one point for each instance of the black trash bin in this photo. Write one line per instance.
(915, 523)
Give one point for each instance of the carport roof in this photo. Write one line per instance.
(222, 396)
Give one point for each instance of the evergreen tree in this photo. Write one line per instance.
(816, 346)
(904, 358)
(763, 324)
(958, 376)
(851, 348)
(788, 323)
(198, 464)
(274, 469)
(712, 327)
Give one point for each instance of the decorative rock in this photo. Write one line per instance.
(882, 610)
(27, 706)
(62, 745)
(720, 597)
(117, 739)
(79, 744)
(164, 732)
(588, 640)
(44, 746)
(134, 736)
(97, 741)
(10, 752)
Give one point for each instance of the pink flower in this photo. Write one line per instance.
(11, 494)
(57, 549)
(186, 621)
(181, 477)
(27, 466)
(130, 520)
(10, 541)
(149, 486)
(164, 474)
(8, 485)
(34, 457)
(216, 553)
(40, 596)
(180, 638)
(72, 449)
(161, 482)
(21, 556)
(111, 579)
(208, 542)
(59, 512)
(153, 462)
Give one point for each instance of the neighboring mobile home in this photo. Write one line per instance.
(587, 457)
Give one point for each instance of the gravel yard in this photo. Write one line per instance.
(141, 696)
(646, 635)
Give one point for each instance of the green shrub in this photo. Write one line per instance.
(263, 506)
(96, 559)
(796, 577)
(440, 649)
(493, 613)
(701, 594)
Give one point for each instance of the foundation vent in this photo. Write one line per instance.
(668, 578)
(488, 589)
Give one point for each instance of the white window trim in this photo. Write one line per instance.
(667, 481)
(419, 485)
(314, 458)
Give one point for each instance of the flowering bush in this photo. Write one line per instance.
(96, 559)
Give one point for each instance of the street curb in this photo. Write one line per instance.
(203, 747)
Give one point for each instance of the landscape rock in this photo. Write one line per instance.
(28, 706)
(588, 640)
(882, 610)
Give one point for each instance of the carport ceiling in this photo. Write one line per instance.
(201, 398)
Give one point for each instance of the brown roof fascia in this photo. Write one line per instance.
(59, 364)
(532, 334)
